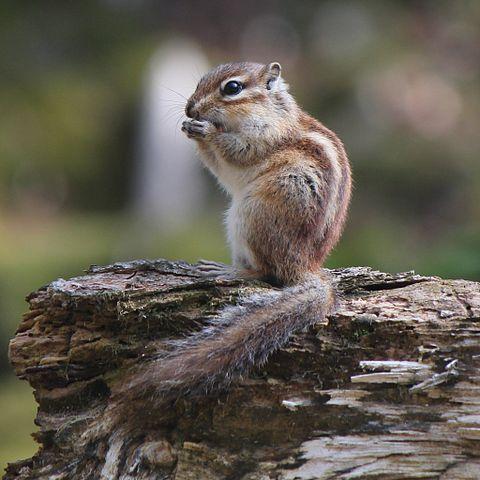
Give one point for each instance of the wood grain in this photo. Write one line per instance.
(387, 388)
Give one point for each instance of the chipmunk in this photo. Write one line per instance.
(290, 182)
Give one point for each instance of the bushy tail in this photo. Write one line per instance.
(241, 337)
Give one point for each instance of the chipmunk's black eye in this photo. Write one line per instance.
(232, 88)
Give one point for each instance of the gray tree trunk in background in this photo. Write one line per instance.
(388, 387)
(168, 185)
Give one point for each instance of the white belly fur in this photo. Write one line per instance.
(242, 256)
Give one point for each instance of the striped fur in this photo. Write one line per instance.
(290, 182)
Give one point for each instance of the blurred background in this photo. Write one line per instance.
(94, 169)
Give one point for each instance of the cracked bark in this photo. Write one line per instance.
(387, 388)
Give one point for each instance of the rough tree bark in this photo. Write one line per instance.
(386, 388)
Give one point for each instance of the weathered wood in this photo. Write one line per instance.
(387, 388)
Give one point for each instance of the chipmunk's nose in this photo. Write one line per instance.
(189, 109)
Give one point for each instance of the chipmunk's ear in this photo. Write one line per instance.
(272, 73)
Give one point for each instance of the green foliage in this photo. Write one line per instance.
(17, 411)
(398, 81)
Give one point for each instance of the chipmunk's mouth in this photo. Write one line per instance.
(216, 123)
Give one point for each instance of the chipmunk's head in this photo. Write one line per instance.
(241, 96)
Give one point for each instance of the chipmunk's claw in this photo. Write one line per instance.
(197, 128)
(211, 269)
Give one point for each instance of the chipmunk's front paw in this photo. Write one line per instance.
(197, 128)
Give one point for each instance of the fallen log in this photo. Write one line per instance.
(387, 387)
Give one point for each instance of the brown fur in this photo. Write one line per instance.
(290, 183)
